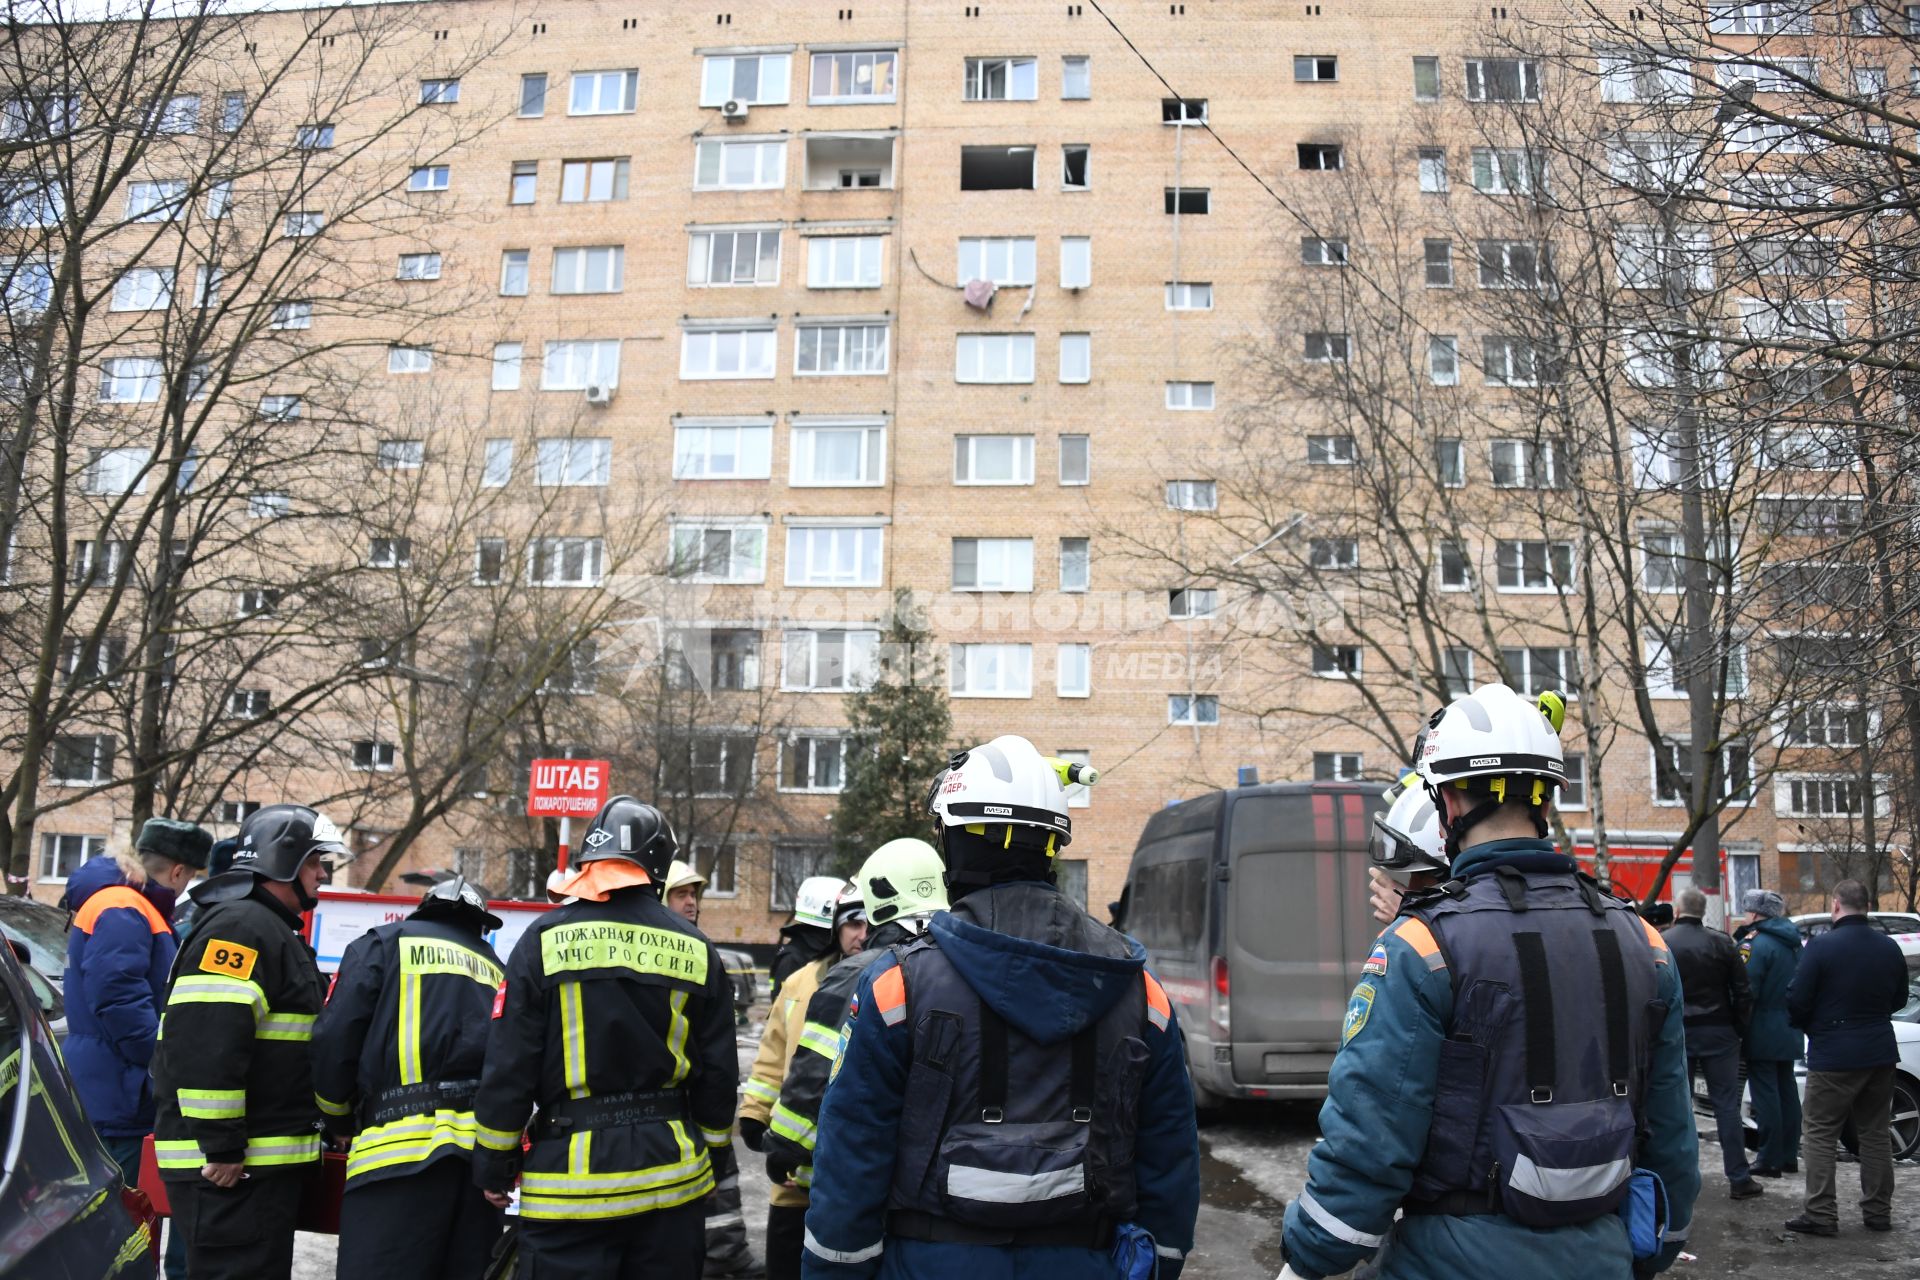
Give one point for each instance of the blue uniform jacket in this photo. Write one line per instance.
(119, 950)
(1852, 979)
(1048, 992)
(1772, 952)
(1380, 1105)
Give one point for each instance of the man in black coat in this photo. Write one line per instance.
(1719, 1005)
(1850, 982)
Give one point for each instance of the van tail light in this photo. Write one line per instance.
(140, 1209)
(1217, 991)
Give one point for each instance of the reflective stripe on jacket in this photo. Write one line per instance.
(779, 1042)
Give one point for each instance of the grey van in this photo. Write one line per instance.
(1252, 905)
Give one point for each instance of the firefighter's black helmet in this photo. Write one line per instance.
(634, 832)
(275, 842)
(455, 899)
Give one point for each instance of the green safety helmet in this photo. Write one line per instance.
(901, 878)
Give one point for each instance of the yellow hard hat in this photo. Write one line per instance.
(680, 874)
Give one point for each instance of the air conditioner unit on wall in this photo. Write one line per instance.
(599, 393)
(733, 109)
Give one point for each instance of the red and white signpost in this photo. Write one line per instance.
(567, 789)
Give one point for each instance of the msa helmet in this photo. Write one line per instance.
(901, 880)
(455, 899)
(632, 832)
(1407, 838)
(1001, 810)
(1494, 743)
(275, 842)
(814, 901)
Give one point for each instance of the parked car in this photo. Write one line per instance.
(1905, 1120)
(40, 931)
(65, 1213)
(740, 972)
(1252, 905)
(1898, 923)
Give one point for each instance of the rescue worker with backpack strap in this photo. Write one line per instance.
(1513, 1062)
(929, 1161)
(396, 1062)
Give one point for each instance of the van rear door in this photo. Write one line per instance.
(1298, 930)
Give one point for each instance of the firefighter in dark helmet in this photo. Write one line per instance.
(237, 1126)
(617, 1020)
(396, 1062)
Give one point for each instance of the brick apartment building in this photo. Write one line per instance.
(762, 217)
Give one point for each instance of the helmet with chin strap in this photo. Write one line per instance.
(276, 842)
(1001, 810)
(815, 899)
(1497, 747)
(633, 832)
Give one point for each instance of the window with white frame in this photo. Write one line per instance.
(514, 273)
(1663, 559)
(1669, 666)
(506, 366)
(844, 349)
(1456, 567)
(1326, 348)
(1190, 396)
(1671, 785)
(1659, 162)
(179, 113)
(1812, 319)
(990, 670)
(1433, 170)
(370, 755)
(1189, 603)
(735, 553)
(1573, 792)
(1632, 75)
(1760, 18)
(206, 286)
(26, 286)
(1518, 362)
(291, 315)
(1002, 79)
(1840, 725)
(257, 603)
(723, 257)
(1450, 461)
(439, 93)
(1076, 357)
(489, 561)
(96, 562)
(32, 202)
(718, 764)
(723, 449)
(571, 462)
(1076, 77)
(594, 269)
(1076, 159)
(1330, 451)
(574, 366)
(836, 453)
(1528, 464)
(593, 181)
(1456, 672)
(1503, 80)
(1184, 295)
(740, 164)
(866, 76)
(993, 358)
(1318, 251)
(603, 93)
(137, 289)
(565, 562)
(400, 455)
(156, 201)
(418, 266)
(1655, 359)
(249, 704)
(1337, 661)
(390, 553)
(1809, 517)
(1827, 796)
(575, 672)
(992, 459)
(1193, 708)
(1333, 555)
(1076, 459)
(1193, 495)
(130, 380)
(1762, 136)
(280, 408)
(430, 177)
(1507, 171)
(710, 658)
(813, 762)
(845, 262)
(834, 555)
(830, 661)
(751, 79)
(1076, 563)
(1338, 766)
(1076, 262)
(1183, 111)
(993, 564)
(1514, 264)
(1534, 565)
(523, 182)
(496, 466)
(1648, 257)
(1534, 670)
(722, 353)
(409, 359)
(220, 203)
(1443, 363)
(1426, 79)
(1004, 260)
(313, 137)
(1073, 670)
(62, 855)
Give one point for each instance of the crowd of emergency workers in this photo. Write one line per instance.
(963, 1073)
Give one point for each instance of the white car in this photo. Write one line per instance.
(1906, 1076)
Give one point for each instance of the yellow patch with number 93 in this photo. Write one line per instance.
(229, 958)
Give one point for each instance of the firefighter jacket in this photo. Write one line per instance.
(1051, 975)
(790, 1129)
(1414, 1085)
(616, 1018)
(786, 1029)
(397, 1050)
(233, 1073)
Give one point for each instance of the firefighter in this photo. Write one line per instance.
(809, 935)
(396, 1061)
(825, 906)
(1012, 1098)
(233, 1076)
(1512, 1052)
(616, 1018)
(682, 892)
(901, 884)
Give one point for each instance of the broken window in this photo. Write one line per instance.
(1320, 155)
(1073, 166)
(996, 168)
(1189, 200)
(1183, 111)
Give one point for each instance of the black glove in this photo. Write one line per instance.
(754, 1133)
(780, 1167)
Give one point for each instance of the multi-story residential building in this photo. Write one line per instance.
(957, 300)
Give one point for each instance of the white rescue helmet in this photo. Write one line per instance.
(1496, 734)
(1407, 838)
(815, 899)
(1006, 782)
(902, 879)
